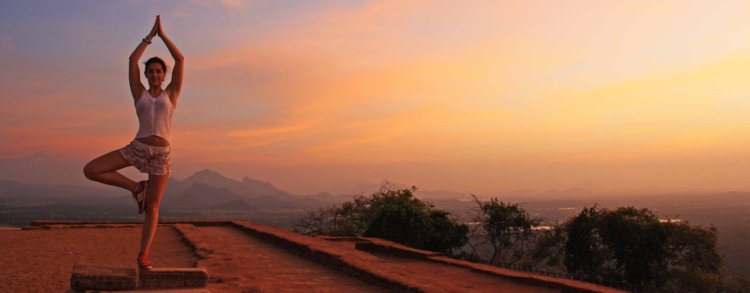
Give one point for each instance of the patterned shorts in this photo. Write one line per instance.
(154, 160)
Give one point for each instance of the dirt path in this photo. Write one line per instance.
(242, 263)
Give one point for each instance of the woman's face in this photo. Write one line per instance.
(155, 74)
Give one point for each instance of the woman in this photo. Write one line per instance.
(150, 151)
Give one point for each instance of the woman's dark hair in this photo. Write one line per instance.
(156, 60)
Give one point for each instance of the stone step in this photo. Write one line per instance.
(88, 277)
(168, 278)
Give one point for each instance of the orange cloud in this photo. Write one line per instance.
(492, 86)
(350, 85)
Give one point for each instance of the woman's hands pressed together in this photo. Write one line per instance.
(160, 29)
(155, 30)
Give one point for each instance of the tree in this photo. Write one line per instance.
(503, 227)
(393, 214)
(446, 233)
(399, 216)
(630, 248)
(585, 254)
(637, 240)
(550, 248)
(694, 261)
(348, 219)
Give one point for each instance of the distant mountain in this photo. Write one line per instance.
(203, 190)
(248, 188)
(207, 189)
(199, 196)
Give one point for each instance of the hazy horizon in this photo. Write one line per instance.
(482, 97)
(39, 168)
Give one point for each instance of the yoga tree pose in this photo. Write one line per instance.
(150, 151)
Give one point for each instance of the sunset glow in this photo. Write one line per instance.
(478, 96)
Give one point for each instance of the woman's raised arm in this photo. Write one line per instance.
(174, 87)
(134, 72)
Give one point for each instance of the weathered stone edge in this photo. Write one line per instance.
(188, 237)
(390, 247)
(568, 285)
(286, 239)
(83, 279)
(393, 248)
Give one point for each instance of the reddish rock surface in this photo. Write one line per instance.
(245, 257)
(42, 260)
(242, 263)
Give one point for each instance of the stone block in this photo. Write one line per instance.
(168, 278)
(88, 276)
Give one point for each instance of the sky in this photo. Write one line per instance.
(468, 96)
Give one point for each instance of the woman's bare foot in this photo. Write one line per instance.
(143, 262)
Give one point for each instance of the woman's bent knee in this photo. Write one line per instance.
(89, 171)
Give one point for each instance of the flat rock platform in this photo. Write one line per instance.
(244, 257)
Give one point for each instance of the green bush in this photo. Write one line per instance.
(393, 214)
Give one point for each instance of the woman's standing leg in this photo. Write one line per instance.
(156, 186)
(103, 169)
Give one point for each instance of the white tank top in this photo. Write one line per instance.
(154, 115)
